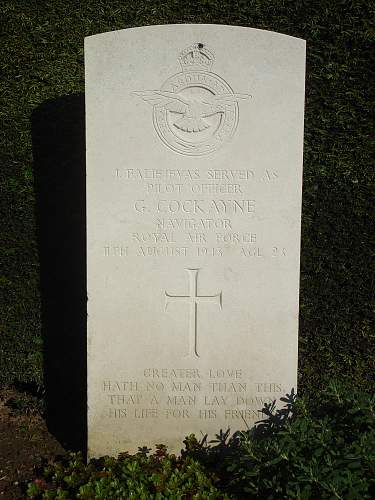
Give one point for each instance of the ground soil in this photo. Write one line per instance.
(24, 443)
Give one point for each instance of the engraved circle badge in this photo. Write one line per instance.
(195, 111)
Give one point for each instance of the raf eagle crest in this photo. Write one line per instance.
(195, 111)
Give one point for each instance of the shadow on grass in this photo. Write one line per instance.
(58, 134)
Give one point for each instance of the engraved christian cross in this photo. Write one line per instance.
(193, 299)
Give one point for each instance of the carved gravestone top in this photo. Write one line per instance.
(194, 175)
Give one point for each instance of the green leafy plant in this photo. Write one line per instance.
(141, 476)
(309, 449)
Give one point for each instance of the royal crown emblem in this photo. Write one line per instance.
(195, 111)
(197, 57)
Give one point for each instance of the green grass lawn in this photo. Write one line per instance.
(42, 60)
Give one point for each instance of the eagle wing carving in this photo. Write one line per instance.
(169, 100)
(217, 103)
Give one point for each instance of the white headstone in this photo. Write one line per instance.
(194, 174)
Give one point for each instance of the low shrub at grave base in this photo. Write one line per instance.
(140, 476)
(310, 449)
